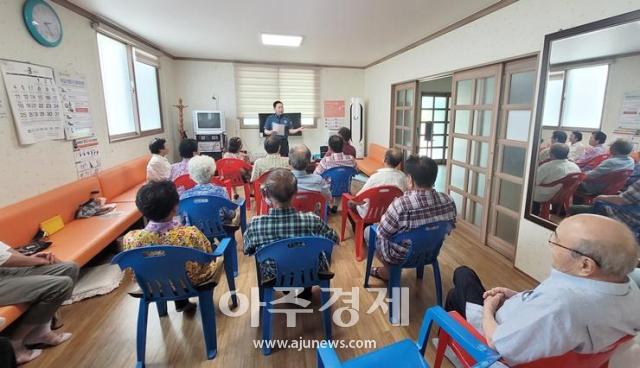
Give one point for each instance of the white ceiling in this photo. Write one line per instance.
(336, 32)
(618, 40)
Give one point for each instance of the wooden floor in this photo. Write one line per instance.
(105, 327)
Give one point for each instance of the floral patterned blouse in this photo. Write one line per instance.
(173, 233)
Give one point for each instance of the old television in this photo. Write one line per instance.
(208, 122)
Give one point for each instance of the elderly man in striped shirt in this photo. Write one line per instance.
(419, 206)
(337, 157)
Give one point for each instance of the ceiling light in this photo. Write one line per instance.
(281, 40)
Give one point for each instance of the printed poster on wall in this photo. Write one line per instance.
(3, 109)
(334, 114)
(34, 100)
(334, 108)
(86, 154)
(75, 104)
(630, 112)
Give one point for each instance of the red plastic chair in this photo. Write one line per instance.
(261, 206)
(311, 202)
(187, 183)
(594, 162)
(615, 181)
(184, 181)
(231, 169)
(306, 202)
(379, 199)
(564, 196)
(570, 359)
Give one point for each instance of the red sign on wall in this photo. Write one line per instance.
(334, 108)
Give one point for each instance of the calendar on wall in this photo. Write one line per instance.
(35, 101)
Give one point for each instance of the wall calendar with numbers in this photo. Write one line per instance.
(35, 101)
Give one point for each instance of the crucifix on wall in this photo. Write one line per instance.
(181, 107)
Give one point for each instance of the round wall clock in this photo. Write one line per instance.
(42, 22)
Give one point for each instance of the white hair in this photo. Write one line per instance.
(202, 168)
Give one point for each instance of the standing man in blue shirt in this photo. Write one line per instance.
(283, 127)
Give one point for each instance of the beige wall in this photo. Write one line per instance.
(515, 30)
(197, 81)
(624, 76)
(32, 169)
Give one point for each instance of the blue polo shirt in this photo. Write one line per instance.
(564, 313)
(279, 119)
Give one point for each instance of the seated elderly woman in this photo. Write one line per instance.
(201, 170)
(158, 202)
(587, 303)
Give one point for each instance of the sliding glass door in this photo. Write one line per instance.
(511, 147)
(471, 141)
(403, 116)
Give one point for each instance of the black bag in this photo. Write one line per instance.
(38, 244)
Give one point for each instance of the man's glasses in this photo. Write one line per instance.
(571, 249)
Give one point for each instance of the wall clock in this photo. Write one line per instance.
(42, 22)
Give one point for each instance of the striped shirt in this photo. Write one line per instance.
(284, 223)
(334, 160)
(414, 209)
(589, 154)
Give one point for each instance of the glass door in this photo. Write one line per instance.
(471, 141)
(434, 125)
(403, 113)
(511, 146)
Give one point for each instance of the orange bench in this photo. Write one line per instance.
(374, 159)
(121, 183)
(79, 240)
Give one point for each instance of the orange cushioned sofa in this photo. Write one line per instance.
(374, 159)
(79, 240)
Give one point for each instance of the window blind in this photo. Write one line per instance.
(258, 86)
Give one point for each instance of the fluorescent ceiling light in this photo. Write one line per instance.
(281, 40)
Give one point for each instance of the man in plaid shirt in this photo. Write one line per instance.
(284, 222)
(337, 157)
(616, 206)
(419, 206)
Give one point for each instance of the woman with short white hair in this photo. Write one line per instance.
(201, 170)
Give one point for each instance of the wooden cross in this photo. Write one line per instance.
(181, 107)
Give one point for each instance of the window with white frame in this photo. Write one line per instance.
(131, 89)
(258, 86)
(574, 98)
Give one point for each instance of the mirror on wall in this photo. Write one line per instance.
(587, 119)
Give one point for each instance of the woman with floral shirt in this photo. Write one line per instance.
(158, 202)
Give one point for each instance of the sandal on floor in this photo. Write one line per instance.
(375, 273)
(26, 356)
(59, 339)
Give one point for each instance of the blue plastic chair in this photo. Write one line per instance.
(408, 353)
(200, 211)
(600, 207)
(426, 242)
(161, 274)
(340, 179)
(297, 266)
